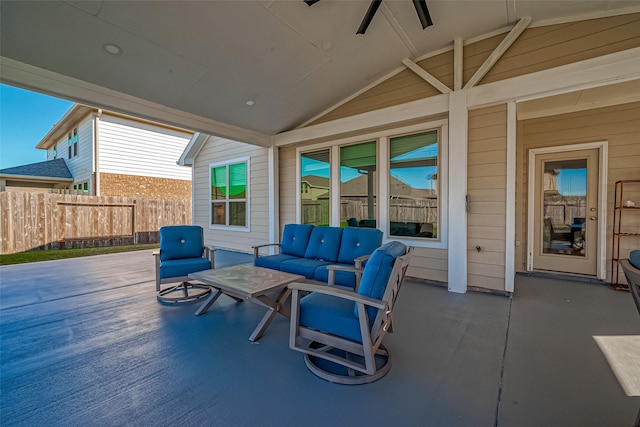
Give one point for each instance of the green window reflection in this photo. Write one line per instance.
(219, 183)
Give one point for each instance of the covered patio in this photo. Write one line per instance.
(84, 342)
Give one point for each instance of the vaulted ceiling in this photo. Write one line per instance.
(207, 60)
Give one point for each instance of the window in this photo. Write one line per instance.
(358, 182)
(230, 194)
(413, 185)
(315, 187)
(54, 153)
(387, 180)
(81, 188)
(72, 143)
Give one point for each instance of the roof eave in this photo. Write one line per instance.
(12, 177)
(75, 113)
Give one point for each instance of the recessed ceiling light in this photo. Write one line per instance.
(250, 103)
(111, 48)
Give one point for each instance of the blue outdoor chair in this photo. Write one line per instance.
(182, 251)
(341, 331)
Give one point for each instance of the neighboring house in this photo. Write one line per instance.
(474, 147)
(95, 152)
(41, 176)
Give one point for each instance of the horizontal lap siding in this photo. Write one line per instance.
(221, 150)
(547, 47)
(536, 49)
(619, 125)
(288, 190)
(401, 88)
(430, 264)
(80, 166)
(130, 147)
(486, 185)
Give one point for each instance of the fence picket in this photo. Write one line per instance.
(48, 221)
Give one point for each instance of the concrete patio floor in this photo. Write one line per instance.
(84, 342)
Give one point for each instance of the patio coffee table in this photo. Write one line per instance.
(247, 282)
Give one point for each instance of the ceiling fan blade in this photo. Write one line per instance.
(311, 2)
(423, 13)
(373, 7)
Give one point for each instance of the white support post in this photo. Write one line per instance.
(510, 226)
(274, 197)
(458, 137)
(458, 57)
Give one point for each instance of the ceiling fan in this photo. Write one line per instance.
(420, 5)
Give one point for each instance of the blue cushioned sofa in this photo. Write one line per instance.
(308, 250)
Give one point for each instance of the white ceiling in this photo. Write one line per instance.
(207, 58)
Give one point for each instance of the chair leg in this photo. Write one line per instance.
(183, 292)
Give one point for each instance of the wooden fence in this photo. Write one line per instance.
(51, 221)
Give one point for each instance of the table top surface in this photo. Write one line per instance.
(621, 351)
(246, 279)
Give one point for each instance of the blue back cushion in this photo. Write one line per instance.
(634, 258)
(295, 238)
(324, 243)
(181, 241)
(357, 242)
(377, 271)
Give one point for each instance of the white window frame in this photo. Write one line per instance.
(247, 198)
(382, 137)
(73, 149)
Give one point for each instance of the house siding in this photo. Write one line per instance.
(80, 166)
(486, 186)
(620, 127)
(128, 147)
(220, 150)
(536, 49)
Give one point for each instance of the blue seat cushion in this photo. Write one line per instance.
(272, 261)
(324, 243)
(342, 278)
(357, 242)
(377, 271)
(295, 239)
(181, 241)
(634, 258)
(330, 314)
(182, 267)
(302, 266)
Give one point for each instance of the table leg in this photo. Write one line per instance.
(208, 302)
(273, 307)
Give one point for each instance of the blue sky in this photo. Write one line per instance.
(25, 117)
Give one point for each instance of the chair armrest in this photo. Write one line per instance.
(333, 268)
(358, 261)
(257, 248)
(210, 253)
(341, 293)
(344, 268)
(156, 252)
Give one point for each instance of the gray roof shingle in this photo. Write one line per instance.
(56, 168)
